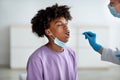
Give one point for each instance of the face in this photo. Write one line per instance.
(59, 29)
(115, 4)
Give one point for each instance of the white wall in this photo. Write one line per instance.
(84, 12)
(21, 47)
(115, 37)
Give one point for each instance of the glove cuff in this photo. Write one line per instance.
(98, 47)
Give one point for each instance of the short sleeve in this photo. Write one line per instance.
(34, 69)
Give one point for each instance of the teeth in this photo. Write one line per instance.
(67, 33)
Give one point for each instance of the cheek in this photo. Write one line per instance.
(59, 30)
(59, 34)
(117, 8)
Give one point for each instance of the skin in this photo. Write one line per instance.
(58, 29)
(115, 4)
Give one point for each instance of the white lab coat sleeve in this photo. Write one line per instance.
(109, 55)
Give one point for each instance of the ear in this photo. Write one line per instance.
(48, 32)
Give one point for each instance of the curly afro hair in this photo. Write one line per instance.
(42, 19)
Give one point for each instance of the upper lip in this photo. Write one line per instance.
(68, 32)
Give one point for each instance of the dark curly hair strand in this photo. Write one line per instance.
(42, 19)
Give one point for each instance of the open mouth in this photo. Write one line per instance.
(67, 34)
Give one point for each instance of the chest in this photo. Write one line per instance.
(59, 66)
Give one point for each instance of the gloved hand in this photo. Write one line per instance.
(118, 56)
(92, 40)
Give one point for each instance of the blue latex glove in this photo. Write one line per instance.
(118, 56)
(92, 40)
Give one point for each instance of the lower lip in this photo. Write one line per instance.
(67, 36)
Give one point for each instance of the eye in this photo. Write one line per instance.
(59, 24)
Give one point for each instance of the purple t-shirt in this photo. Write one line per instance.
(46, 64)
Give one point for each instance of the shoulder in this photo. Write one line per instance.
(38, 53)
(69, 50)
(71, 53)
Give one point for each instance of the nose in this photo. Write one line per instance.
(114, 2)
(111, 0)
(65, 26)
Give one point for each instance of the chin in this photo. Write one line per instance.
(66, 41)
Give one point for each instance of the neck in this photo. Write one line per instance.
(54, 47)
